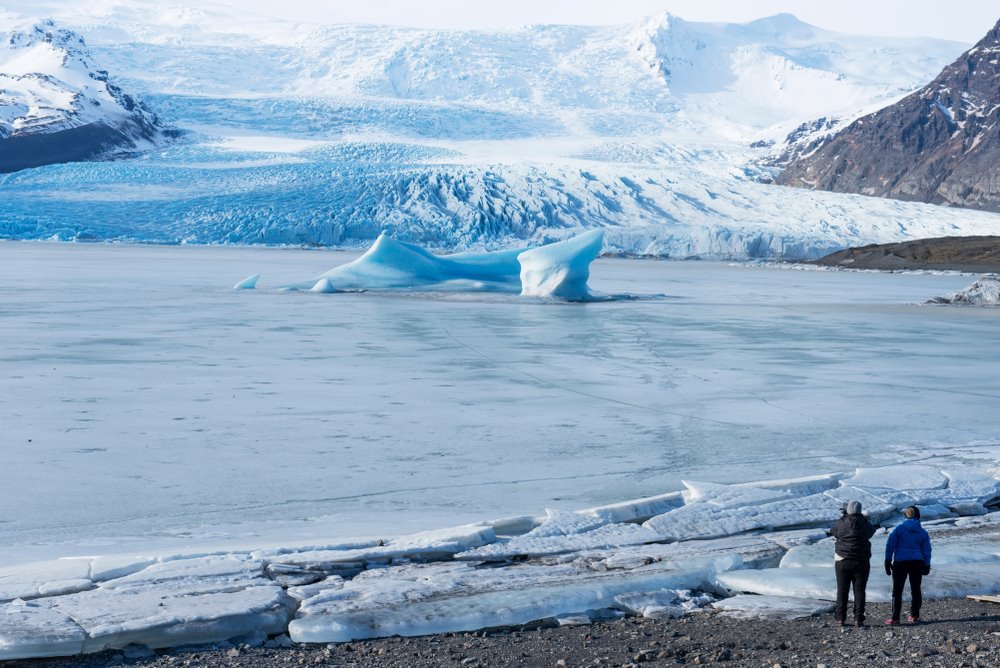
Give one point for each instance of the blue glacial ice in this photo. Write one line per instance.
(559, 270)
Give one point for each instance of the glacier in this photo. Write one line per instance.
(662, 133)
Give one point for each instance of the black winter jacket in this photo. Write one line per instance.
(853, 534)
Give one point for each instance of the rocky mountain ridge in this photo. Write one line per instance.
(940, 144)
(57, 106)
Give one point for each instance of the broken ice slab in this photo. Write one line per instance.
(900, 477)
(730, 496)
(705, 520)
(662, 604)
(529, 545)
(45, 578)
(946, 580)
(452, 597)
(815, 582)
(177, 602)
(423, 546)
(755, 606)
(564, 523)
(31, 630)
(637, 510)
(753, 551)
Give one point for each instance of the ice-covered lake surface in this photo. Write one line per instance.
(148, 406)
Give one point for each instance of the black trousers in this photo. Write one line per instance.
(851, 573)
(900, 571)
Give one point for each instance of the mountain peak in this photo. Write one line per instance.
(939, 144)
(54, 99)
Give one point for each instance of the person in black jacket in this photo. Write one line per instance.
(852, 564)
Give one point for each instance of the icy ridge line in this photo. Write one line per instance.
(658, 556)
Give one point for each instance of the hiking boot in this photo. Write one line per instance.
(892, 622)
(859, 623)
(913, 620)
(840, 623)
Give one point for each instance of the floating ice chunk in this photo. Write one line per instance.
(530, 545)
(58, 576)
(30, 630)
(323, 285)
(557, 270)
(730, 496)
(984, 292)
(248, 283)
(447, 597)
(561, 269)
(752, 606)
(638, 510)
(391, 264)
(704, 520)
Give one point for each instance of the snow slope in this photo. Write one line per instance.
(301, 134)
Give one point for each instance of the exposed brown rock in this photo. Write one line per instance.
(940, 144)
(973, 254)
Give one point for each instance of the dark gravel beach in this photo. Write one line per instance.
(956, 632)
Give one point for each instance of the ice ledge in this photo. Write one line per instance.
(635, 557)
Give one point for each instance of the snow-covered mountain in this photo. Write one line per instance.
(939, 144)
(659, 132)
(57, 106)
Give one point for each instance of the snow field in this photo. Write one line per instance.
(566, 565)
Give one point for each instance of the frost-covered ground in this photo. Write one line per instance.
(300, 134)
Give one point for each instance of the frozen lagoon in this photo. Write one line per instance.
(147, 406)
(198, 456)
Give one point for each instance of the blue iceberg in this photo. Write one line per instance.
(559, 270)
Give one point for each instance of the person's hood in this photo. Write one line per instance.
(911, 525)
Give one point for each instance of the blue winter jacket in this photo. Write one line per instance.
(909, 542)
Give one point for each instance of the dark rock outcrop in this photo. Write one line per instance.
(940, 144)
(973, 254)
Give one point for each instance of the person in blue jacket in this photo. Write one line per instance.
(907, 555)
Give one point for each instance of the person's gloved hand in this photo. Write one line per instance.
(927, 569)
(888, 567)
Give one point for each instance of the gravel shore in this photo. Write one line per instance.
(956, 632)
